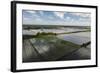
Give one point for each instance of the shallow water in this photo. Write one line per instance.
(58, 47)
(78, 38)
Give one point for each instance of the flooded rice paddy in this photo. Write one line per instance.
(56, 47)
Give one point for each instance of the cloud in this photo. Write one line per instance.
(60, 14)
(41, 12)
(26, 19)
(32, 12)
(56, 18)
(84, 15)
(68, 18)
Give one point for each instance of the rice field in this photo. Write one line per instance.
(56, 47)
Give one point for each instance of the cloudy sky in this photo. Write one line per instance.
(56, 18)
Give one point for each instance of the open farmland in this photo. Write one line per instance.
(60, 43)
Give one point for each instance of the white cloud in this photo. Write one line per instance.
(25, 18)
(32, 12)
(60, 14)
(68, 18)
(38, 19)
(41, 12)
(82, 14)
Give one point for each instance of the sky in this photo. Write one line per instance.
(36, 17)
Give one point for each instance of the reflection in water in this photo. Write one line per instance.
(51, 48)
(78, 38)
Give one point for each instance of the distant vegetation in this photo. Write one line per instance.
(27, 26)
(44, 33)
(51, 33)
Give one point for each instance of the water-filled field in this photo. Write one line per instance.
(66, 46)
